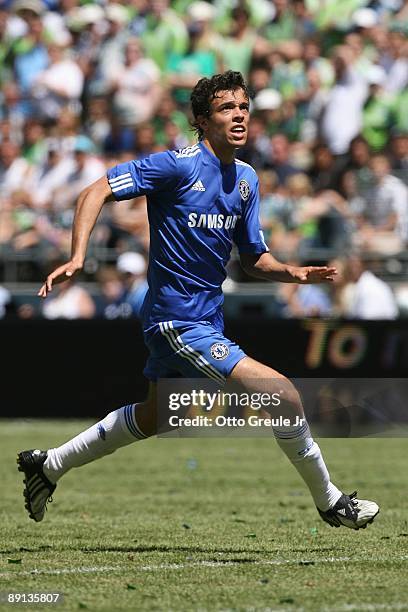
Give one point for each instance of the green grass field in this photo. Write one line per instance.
(204, 525)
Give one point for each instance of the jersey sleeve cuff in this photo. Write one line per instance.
(255, 248)
(122, 185)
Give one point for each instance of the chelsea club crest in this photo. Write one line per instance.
(244, 189)
(219, 351)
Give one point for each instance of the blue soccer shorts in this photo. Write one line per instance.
(190, 349)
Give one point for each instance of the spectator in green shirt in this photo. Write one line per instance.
(242, 45)
(165, 33)
(401, 115)
(282, 25)
(378, 111)
(168, 112)
(184, 70)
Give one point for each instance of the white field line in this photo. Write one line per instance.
(71, 570)
(367, 607)
(177, 566)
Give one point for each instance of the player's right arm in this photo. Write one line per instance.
(88, 207)
(157, 172)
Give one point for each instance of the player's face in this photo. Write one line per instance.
(227, 125)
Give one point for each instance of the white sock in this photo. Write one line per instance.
(300, 448)
(118, 428)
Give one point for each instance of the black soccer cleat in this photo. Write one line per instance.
(38, 489)
(351, 512)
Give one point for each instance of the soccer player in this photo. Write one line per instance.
(200, 200)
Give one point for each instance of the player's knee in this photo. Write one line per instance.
(288, 395)
(291, 396)
(146, 417)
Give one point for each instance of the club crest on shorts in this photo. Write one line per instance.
(219, 351)
(244, 189)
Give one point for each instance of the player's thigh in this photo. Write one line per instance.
(197, 350)
(256, 377)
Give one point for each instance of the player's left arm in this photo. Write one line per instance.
(266, 267)
(254, 253)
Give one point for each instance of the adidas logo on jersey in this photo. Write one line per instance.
(187, 151)
(198, 186)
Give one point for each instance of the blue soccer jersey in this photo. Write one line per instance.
(197, 208)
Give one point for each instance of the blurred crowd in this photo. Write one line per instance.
(84, 86)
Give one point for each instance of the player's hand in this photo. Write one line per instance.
(313, 274)
(59, 275)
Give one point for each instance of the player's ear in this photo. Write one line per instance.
(202, 122)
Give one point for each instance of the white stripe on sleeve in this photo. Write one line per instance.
(119, 177)
(122, 187)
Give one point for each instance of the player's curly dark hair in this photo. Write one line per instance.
(206, 90)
